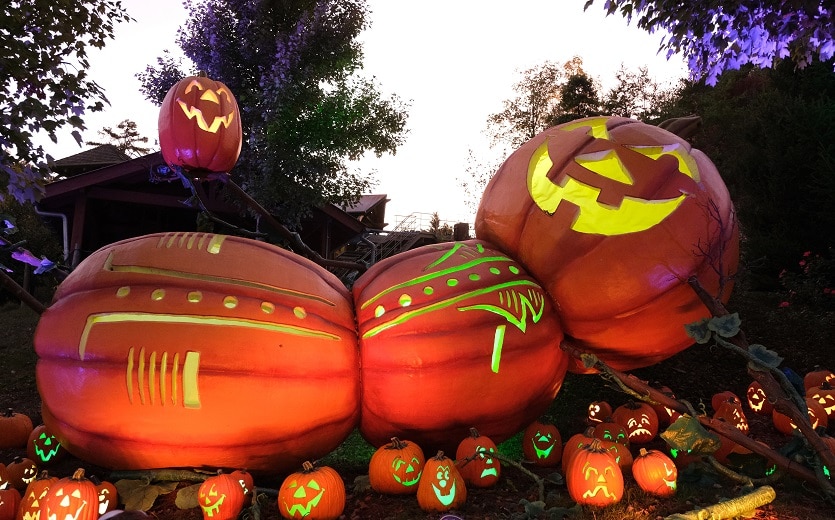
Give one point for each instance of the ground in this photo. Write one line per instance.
(804, 336)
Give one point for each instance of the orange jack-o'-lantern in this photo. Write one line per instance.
(757, 400)
(593, 477)
(655, 472)
(472, 327)
(816, 376)
(542, 444)
(598, 411)
(33, 497)
(817, 417)
(21, 472)
(639, 420)
(623, 210)
(609, 430)
(315, 493)
(43, 446)
(666, 416)
(824, 394)
(476, 460)
(200, 126)
(395, 468)
(220, 497)
(731, 412)
(441, 487)
(73, 497)
(9, 502)
(182, 335)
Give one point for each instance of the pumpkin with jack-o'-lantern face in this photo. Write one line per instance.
(315, 493)
(396, 467)
(757, 400)
(441, 487)
(21, 472)
(731, 412)
(816, 376)
(593, 477)
(655, 472)
(43, 447)
(639, 420)
(9, 502)
(598, 411)
(816, 412)
(476, 460)
(200, 126)
(73, 497)
(824, 394)
(542, 444)
(33, 497)
(220, 497)
(614, 204)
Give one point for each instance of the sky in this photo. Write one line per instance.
(453, 61)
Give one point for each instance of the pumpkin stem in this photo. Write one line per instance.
(202, 74)
(643, 452)
(8, 413)
(397, 444)
(474, 433)
(79, 474)
(307, 466)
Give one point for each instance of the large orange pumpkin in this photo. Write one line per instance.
(200, 126)
(453, 336)
(192, 349)
(613, 216)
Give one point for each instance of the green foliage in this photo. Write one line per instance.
(44, 84)
(304, 109)
(771, 134)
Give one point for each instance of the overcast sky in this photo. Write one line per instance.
(455, 61)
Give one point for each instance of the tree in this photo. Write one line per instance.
(578, 98)
(292, 67)
(718, 36)
(44, 84)
(125, 138)
(636, 95)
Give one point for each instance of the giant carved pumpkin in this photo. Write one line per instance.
(613, 216)
(453, 336)
(200, 126)
(193, 349)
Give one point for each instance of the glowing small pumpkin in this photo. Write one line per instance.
(639, 419)
(666, 416)
(611, 431)
(593, 477)
(824, 394)
(757, 400)
(598, 411)
(73, 497)
(108, 495)
(220, 497)
(200, 126)
(476, 460)
(573, 445)
(33, 497)
(43, 447)
(395, 468)
(441, 487)
(655, 472)
(21, 472)
(314, 493)
(816, 376)
(542, 444)
(731, 412)
(817, 417)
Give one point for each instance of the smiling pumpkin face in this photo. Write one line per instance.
(542, 444)
(43, 447)
(315, 492)
(441, 488)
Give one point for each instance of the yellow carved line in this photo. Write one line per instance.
(191, 393)
(152, 377)
(174, 369)
(214, 321)
(140, 377)
(129, 375)
(163, 369)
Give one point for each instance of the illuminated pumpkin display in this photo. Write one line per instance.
(395, 468)
(220, 497)
(14, 429)
(614, 207)
(817, 417)
(639, 420)
(33, 497)
(441, 487)
(43, 447)
(476, 460)
(200, 126)
(824, 394)
(593, 477)
(731, 412)
(453, 336)
(108, 495)
(315, 493)
(666, 416)
(160, 351)
(247, 482)
(542, 444)
(757, 400)
(598, 411)
(655, 472)
(720, 398)
(817, 376)
(72, 497)
(611, 431)
(21, 472)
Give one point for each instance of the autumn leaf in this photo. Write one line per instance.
(141, 494)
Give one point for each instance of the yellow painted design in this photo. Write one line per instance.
(175, 370)
(405, 300)
(230, 302)
(109, 265)
(607, 164)
(300, 313)
(121, 292)
(158, 294)
(632, 216)
(191, 393)
(379, 311)
(152, 377)
(129, 375)
(194, 297)
(498, 341)
(140, 375)
(596, 127)
(267, 307)
(158, 377)
(163, 384)
(210, 321)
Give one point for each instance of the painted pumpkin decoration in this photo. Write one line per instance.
(757, 400)
(731, 412)
(182, 335)
(655, 472)
(824, 394)
(817, 376)
(395, 468)
(73, 497)
(21, 472)
(817, 418)
(598, 411)
(614, 204)
(441, 487)
(639, 419)
(200, 126)
(542, 444)
(454, 335)
(43, 447)
(33, 497)
(611, 431)
(14, 429)
(476, 460)
(593, 477)
(220, 497)
(9, 503)
(315, 492)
